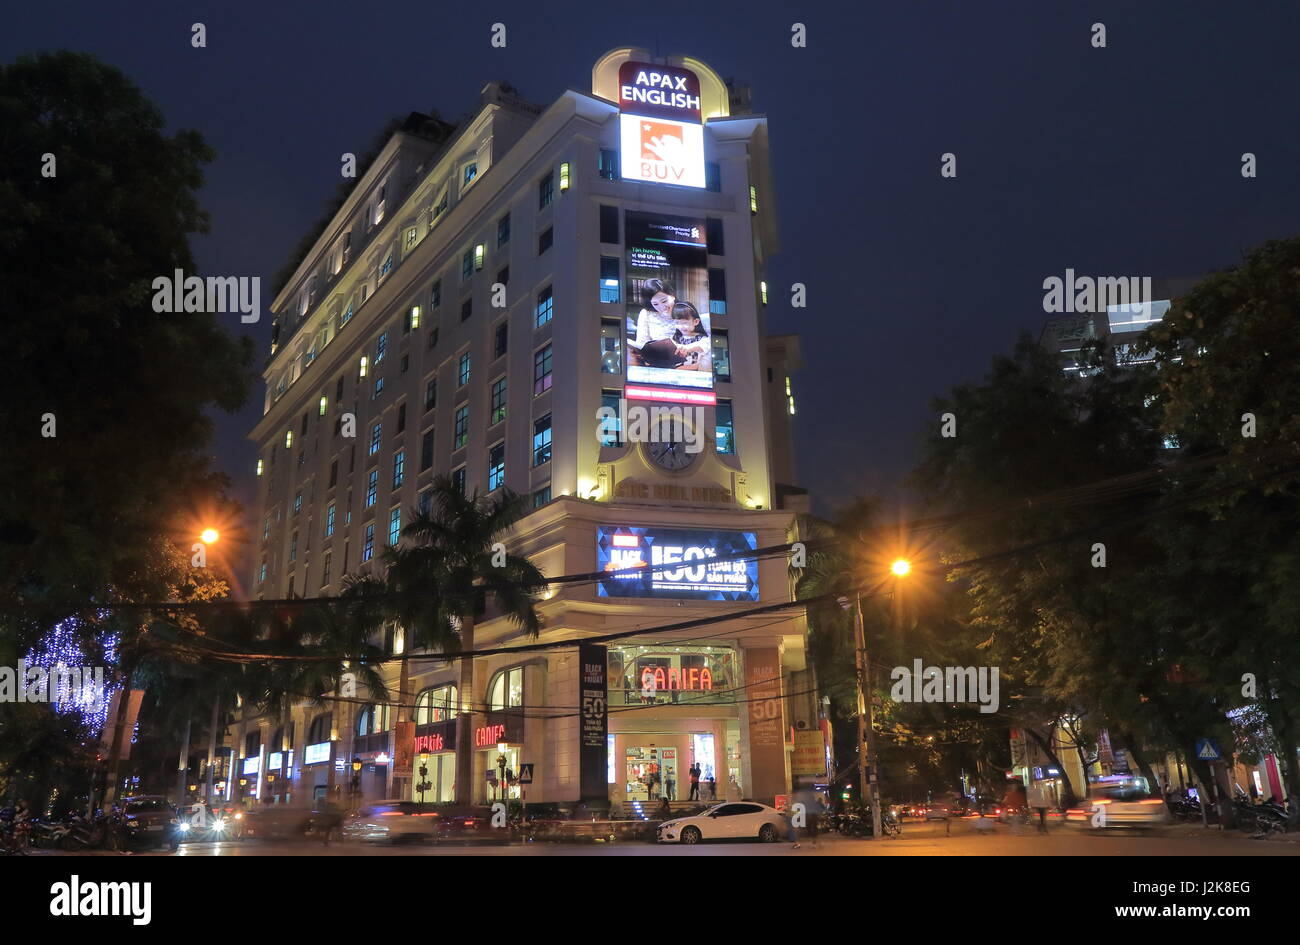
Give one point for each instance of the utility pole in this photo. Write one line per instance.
(866, 728)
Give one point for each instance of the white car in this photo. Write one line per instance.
(734, 820)
(1118, 801)
(391, 820)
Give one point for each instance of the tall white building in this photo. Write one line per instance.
(478, 299)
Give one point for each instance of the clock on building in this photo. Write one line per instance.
(670, 455)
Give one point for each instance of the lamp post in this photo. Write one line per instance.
(424, 774)
(867, 757)
(501, 780)
(356, 779)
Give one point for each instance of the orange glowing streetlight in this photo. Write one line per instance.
(901, 567)
(209, 535)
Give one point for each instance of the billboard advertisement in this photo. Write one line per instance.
(667, 325)
(661, 139)
(699, 576)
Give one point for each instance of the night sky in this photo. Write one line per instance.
(1117, 161)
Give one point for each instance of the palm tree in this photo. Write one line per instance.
(451, 559)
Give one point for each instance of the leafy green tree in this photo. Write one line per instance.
(123, 389)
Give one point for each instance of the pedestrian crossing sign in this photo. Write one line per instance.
(1207, 750)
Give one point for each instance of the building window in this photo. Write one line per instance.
(542, 371)
(479, 253)
(542, 496)
(753, 199)
(321, 406)
(462, 372)
(608, 224)
(713, 176)
(293, 547)
(506, 691)
(325, 570)
(467, 264)
(425, 502)
(338, 389)
(394, 524)
(762, 292)
(412, 320)
(440, 207)
(460, 432)
(546, 191)
(545, 240)
(379, 387)
(346, 315)
(503, 277)
(565, 172)
(471, 172)
(501, 340)
(386, 267)
(611, 428)
(545, 306)
(297, 502)
(713, 236)
(288, 439)
(721, 356)
(608, 164)
(329, 520)
(368, 548)
(609, 281)
(717, 292)
(542, 440)
(401, 418)
(458, 479)
(503, 231)
(435, 294)
(334, 473)
(496, 467)
(411, 235)
(261, 574)
(433, 337)
(376, 434)
(466, 309)
(381, 347)
(426, 450)
(436, 705)
(497, 406)
(372, 487)
(724, 429)
(266, 526)
(611, 346)
(399, 468)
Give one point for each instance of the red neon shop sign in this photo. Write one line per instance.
(489, 735)
(429, 743)
(661, 679)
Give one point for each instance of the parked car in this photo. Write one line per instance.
(146, 821)
(392, 820)
(734, 820)
(1127, 801)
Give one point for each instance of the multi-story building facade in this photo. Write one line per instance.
(478, 299)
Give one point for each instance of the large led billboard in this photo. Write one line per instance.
(661, 139)
(695, 574)
(667, 323)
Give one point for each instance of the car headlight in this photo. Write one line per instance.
(218, 825)
(184, 828)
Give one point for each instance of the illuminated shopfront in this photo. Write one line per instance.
(435, 746)
(645, 675)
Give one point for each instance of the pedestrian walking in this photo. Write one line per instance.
(695, 781)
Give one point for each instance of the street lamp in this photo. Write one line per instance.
(901, 567)
(501, 764)
(210, 535)
(424, 774)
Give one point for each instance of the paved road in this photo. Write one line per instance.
(918, 840)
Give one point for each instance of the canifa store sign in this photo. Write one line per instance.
(661, 137)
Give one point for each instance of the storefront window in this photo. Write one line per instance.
(656, 674)
(493, 767)
(374, 719)
(435, 778)
(435, 705)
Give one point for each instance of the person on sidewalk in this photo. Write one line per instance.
(1040, 801)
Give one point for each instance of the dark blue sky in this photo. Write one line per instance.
(1119, 161)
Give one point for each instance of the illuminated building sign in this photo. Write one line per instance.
(661, 679)
(661, 139)
(274, 761)
(487, 736)
(253, 765)
(315, 754)
(668, 331)
(692, 573)
(430, 743)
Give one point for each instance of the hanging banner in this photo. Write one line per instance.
(593, 723)
(766, 723)
(403, 749)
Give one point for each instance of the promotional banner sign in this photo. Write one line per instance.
(809, 753)
(668, 329)
(766, 721)
(403, 749)
(699, 576)
(661, 138)
(593, 723)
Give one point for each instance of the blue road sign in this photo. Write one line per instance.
(1208, 750)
